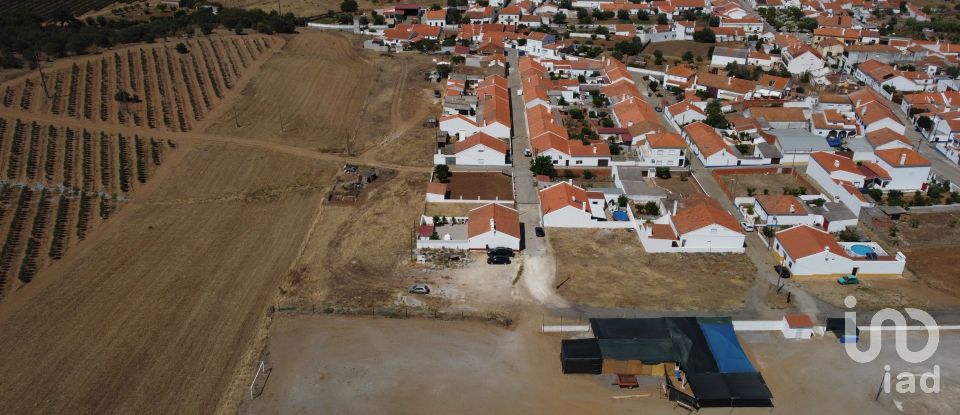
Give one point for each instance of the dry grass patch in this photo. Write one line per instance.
(480, 186)
(678, 185)
(608, 268)
(773, 184)
(357, 255)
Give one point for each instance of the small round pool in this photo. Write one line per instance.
(861, 250)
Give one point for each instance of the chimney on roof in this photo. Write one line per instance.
(903, 158)
(792, 209)
(729, 80)
(836, 163)
(676, 203)
(570, 181)
(493, 226)
(584, 206)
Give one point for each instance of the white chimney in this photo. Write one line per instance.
(903, 158)
(492, 225)
(675, 204)
(836, 163)
(461, 135)
(584, 206)
(792, 209)
(729, 80)
(595, 152)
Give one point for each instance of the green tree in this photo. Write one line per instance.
(622, 201)
(925, 122)
(442, 173)
(715, 116)
(705, 36)
(658, 57)
(181, 48)
(543, 165)
(349, 6)
(688, 56)
(652, 208)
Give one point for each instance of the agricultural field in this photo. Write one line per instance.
(608, 268)
(58, 183)
(149, 86)
(45, 7)
(299, 7)
(345, 100)
(174, 287)
(207, 226)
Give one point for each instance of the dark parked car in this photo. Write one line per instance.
(498, 260)
(539, 232)
(500, 251)
(782, 270)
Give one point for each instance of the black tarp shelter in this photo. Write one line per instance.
(581, 356)
(729, 390)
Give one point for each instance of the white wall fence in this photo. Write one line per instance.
(477, 200)
(439, 243)
(647, 72)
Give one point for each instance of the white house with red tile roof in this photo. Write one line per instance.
(489, 226)
(684, 112)
(436, 18)
(479, 149)
(664, 149)
(710, 147)
(782, 210)
(801, 59)
(564, 205)
(808, 251)
(842, 178)
(679, 77)
(908, 169)
(509, 15)
(702, 225)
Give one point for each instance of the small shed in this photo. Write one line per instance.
(797, 326)
(581, 356)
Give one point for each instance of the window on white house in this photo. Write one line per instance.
(579, 162)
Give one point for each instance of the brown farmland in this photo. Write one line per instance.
(163, 308)
(324, 92)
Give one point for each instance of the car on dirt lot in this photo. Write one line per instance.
(539, 232)
(419, 289)
(498, 260)
(500, 251)
(746, 227)
(848, 280)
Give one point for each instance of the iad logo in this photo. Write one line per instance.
(907, 382)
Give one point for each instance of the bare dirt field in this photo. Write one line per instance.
(302, 8)
(323, 364)
(740, 184)
(359, 255)
(679, 186)
(340, 99)
(675, 49)
(608, 268)
(480, 186)
(172, 288)
(449, 209)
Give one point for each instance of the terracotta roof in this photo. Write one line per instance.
(832, 162)
(666, 140)
(437, 188)
(883, 136)
(875, 111)
(775, 114)
(773, 82)
(481, 138)
(633, 110)
(702, 211)
(902, 157)
(706, 138)
(435, 14)
(425, 231)
(781, 204)
(799, 321)
(561, 195)
(496, 216)
(803, 241)
(681, 71)
(662, 231)
(727, 83)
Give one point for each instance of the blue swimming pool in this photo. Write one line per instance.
(861, 250)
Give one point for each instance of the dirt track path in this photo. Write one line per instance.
(11, 114)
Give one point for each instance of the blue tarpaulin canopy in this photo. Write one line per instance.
(724, 346)
(621, 216)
